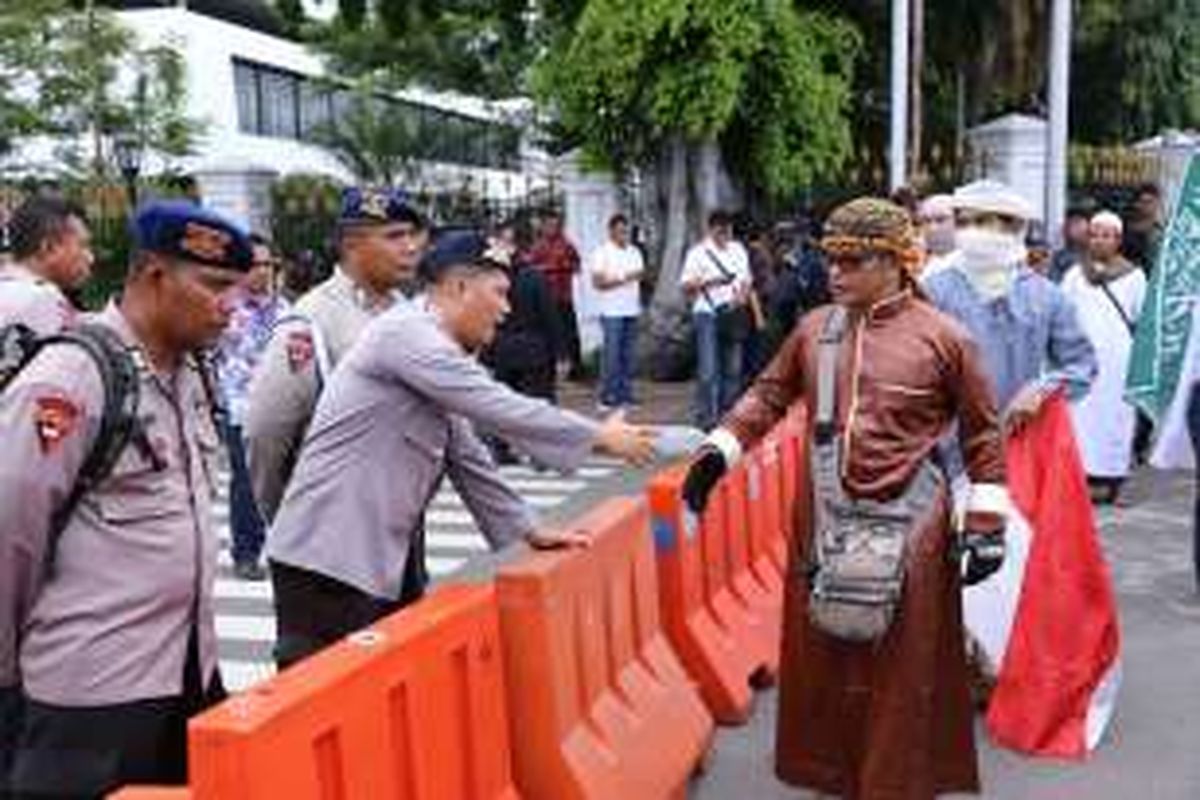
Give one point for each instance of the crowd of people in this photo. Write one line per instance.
(434, 357)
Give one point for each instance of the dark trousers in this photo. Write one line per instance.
(530, 379)
(617, 360)
(79, 753)
(314, 611)
(718, 372)
(570, 333)
(245, 522)
(11, 705)
(1193, 422)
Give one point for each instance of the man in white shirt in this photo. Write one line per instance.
(616, 270)
(716, 278)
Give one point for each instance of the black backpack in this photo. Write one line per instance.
(119, 425)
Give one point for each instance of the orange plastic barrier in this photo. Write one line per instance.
(601, 707)
(152, 793)
(707, 624)
(761, 600)
(411, 709)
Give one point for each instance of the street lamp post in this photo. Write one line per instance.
(127, 147)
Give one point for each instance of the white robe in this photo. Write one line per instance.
(1104, 422)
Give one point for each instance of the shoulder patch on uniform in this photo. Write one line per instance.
(55, 418)
(300, 350)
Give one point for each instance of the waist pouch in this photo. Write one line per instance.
(858, 563)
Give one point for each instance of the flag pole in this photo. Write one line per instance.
(898, 143)
(1059, 127)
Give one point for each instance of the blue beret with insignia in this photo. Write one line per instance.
(367, 206)
(184, 230)
(462, 249)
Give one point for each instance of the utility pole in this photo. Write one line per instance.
(1059, 127)
(917, 105)
(898, 145)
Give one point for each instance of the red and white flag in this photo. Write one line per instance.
(1048, 618)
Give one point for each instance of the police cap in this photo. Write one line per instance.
(367, 206)
(184, 230)
(462, 249)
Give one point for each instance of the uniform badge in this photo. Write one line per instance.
(204, 243)
(300, 350)
(374, 204)
(54, 420)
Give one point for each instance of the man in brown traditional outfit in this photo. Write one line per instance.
(887, 717)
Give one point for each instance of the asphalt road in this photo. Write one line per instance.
(1152, 749)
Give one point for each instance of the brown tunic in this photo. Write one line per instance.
(891, 721)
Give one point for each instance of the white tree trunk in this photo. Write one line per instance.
(669, 339)
(708, 175)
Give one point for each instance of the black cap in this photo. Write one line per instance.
(187, 231)
(462, 249)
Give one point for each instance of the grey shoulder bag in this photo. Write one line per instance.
(859, 546)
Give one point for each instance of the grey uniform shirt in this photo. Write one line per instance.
(33, 301)
(399, 413)
(135, 564)
(318, 331)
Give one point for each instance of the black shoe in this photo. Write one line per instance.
(249, 571)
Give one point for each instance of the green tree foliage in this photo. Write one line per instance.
(1136, 69)
(374, 139)
(76, 75)
(774, 82)
(352, 13)
(481, 47)
(291, 12)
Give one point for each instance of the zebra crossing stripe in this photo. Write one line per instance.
(241, 675)
(246, 628)
(227, 588)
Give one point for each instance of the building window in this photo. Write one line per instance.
(316, 108)
(282, 104)
(245, 80)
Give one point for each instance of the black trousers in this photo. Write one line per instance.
(570, 334)
(80, 753)
(313, 611)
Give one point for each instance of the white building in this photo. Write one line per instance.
(260, 96)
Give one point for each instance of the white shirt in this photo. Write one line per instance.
(699, 265)
(612, 261)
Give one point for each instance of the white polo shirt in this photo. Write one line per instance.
(613, 261)
(700, 265)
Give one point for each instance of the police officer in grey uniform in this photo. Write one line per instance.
(399, 415)
(51, 250)
(111, 644)
(381, 237)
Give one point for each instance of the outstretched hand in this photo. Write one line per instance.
(555, 539)
(632, 443)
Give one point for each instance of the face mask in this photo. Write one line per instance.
(939, 241)
(988, 259)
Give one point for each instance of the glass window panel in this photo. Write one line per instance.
(316, 108)
(245, 81)
(279, 104)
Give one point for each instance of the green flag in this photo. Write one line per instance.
(1166, 321)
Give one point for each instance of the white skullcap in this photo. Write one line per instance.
(937, 204)
(1107, 219)
(993, 197)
